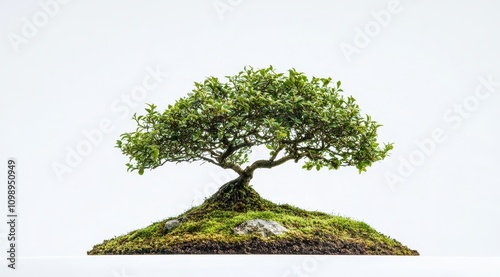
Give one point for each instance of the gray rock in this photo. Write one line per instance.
(265, 228)
(171, 224)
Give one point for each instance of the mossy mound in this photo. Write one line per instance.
(207, 229)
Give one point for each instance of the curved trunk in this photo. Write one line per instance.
(232, 187)
(236, 195)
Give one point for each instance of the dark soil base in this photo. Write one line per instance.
(325, 234)
(290, 247)
(294, 246)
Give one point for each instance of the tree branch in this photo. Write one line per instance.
(236, 168)
(271, 163)
(209, 160)
(231, 149)
(276, 152)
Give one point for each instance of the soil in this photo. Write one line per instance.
(242, 199)
(322, 244)
(294, 246)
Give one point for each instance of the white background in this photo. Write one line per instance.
(73, 72)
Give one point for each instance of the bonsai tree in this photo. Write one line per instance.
(296, 118)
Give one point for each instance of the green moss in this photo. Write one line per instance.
(213, 222)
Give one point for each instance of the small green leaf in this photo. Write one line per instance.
(156, 152)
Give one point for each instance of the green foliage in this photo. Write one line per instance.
(295, 117)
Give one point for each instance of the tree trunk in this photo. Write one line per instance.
(233, 187)
(236, 195)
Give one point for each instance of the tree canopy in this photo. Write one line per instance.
(297, 118)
